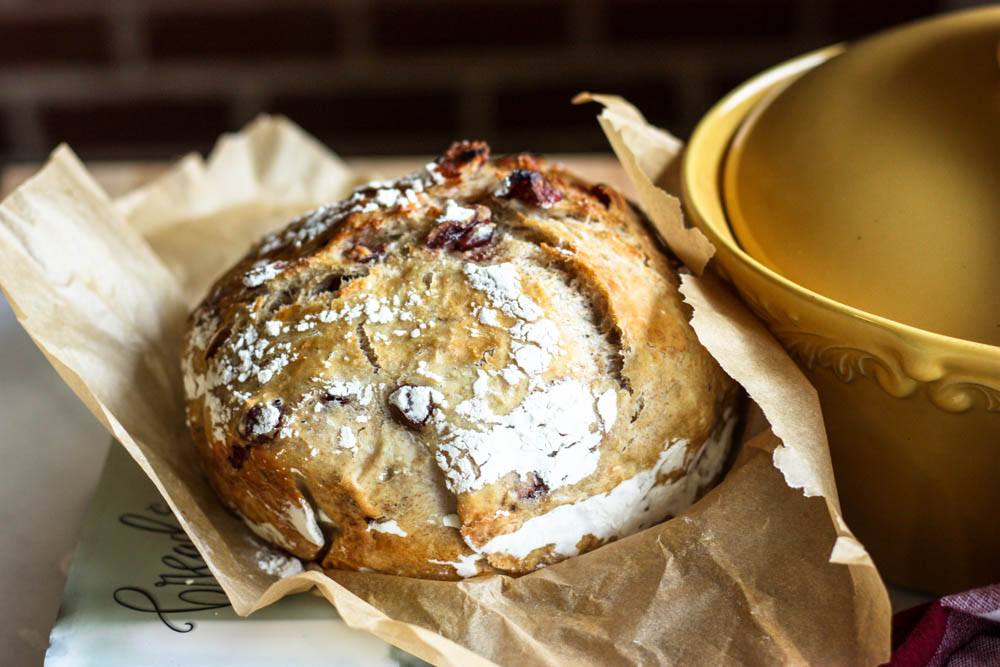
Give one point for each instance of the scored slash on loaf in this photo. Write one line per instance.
(484, 366)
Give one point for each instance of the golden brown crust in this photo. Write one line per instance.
(424, 378)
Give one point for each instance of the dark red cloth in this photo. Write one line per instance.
(958, 630)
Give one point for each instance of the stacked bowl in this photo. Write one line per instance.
(853, 196)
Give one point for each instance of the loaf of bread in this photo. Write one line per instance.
(482, 367)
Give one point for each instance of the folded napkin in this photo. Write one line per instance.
(957, 630)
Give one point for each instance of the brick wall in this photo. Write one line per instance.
(154, 78)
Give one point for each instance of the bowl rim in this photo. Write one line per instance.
(695, 198)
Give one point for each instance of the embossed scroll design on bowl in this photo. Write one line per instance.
(899, 371)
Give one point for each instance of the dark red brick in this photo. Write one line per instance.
(698, 20)
(724, 82)
(74, 39)
(851, 19)
(6, 146)
(409, 26)
(544, 113)
(112, 128)
(376, 122)
(268, 32)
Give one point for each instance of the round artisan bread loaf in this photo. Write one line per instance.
(484, 366)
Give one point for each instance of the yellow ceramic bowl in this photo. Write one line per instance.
(913, 415)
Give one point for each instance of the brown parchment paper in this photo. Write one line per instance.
(760, 571)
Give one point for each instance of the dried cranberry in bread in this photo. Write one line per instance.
(483, 366)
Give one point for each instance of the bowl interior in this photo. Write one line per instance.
(701, 191)
(874, 177)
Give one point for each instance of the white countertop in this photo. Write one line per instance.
(52, 450)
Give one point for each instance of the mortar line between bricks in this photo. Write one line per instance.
(339, 75)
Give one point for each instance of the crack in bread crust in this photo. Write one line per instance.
(437, 366)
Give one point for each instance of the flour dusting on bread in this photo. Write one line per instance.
(482, 367)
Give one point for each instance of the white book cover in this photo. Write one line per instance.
(139, 593)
